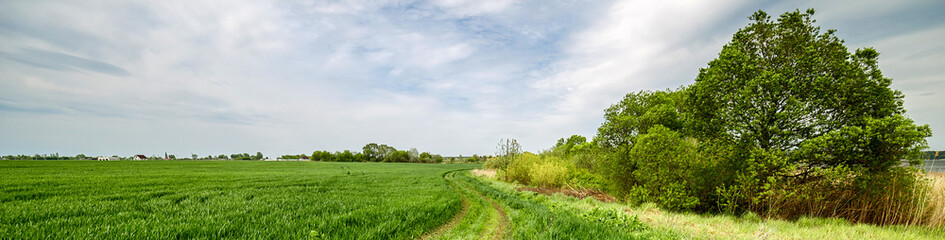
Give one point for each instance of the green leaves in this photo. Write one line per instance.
(780, 84)
(636, 113)
(876, 145)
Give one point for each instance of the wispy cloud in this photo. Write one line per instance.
(63, 62)
(448, 76)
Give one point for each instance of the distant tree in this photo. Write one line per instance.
(507, 151)
(222, 156)
(399, 156)
(377, 152)
(346, 156)
(325, 156)
(426, 157)
(413, 155)
(370, 152)
(259, 156)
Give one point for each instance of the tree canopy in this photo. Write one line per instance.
(786, 86)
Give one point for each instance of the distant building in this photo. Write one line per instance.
(140, 157)
(303, 157)
(104, 158)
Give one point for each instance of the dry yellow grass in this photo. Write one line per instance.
(484, 173)
(916, 200)
(709, 226)
(936, 196)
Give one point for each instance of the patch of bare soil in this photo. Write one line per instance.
(578, 193)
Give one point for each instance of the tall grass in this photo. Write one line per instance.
(936, 200)
(902, 198)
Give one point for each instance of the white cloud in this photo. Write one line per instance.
(915, 65)
(466, 8)
(280, 77)
(635, 45)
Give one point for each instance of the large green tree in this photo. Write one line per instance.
(785, 88)
(638, 112)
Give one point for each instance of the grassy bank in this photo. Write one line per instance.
(676, 225)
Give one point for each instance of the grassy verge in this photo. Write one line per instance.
(535, 216)
(480, 219)
(750, 226)
(663, 224)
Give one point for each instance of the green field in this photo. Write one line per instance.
(221, 199)
(284, 200)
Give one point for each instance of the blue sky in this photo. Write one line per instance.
(450, 77)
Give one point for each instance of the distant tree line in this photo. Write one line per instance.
(373, 152)
(54, 156)
(934, 154)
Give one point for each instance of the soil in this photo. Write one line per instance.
(578, 193)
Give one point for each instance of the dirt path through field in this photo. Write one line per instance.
(455, 220)
(493, 227)
(502, 222)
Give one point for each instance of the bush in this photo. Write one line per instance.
(549, 173)
(662, 169)
(583, 178)
(498, 163)
(519, 169)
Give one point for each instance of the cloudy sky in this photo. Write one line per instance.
(450, 77)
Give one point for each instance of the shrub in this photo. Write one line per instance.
(662, 169)
(519, 170)
(549, 173)
(583, 178)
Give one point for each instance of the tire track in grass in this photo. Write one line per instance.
(455, 220)
(502, 220)
(482, 218)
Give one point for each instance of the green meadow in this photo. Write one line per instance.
(223, 199)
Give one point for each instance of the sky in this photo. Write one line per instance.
(451, 77)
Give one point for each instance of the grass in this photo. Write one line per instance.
(655, 223)
(935, 207)
(286, 200)
(534, 216)
(479, 221)
(750, 226)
